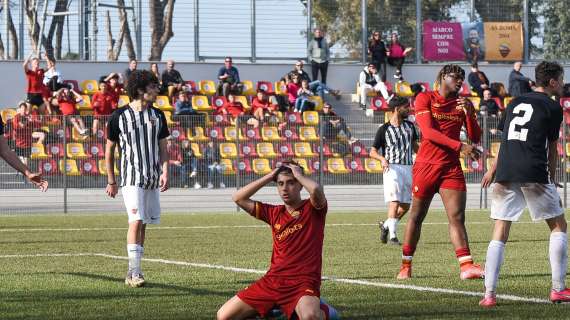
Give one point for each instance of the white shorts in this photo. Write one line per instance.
(398, 183)
(142, 204)
(511, 198)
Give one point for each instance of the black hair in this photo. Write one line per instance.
(447, 69)
(417, 88)
(139, 79)
(547, 70)
(285, 169)
(475, 65)
(398, 101)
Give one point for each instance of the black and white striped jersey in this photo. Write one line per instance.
(396, 143)
(138, 134)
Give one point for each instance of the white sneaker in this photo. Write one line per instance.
(222, 185)
(369, 113)
(135, 281)
(197, 186)
(210, 186)
(193, 174)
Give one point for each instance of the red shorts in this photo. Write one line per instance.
(270, 291)
(429, 178)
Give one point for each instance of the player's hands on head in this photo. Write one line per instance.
(112, 189)
(295, 168)
(470, 151)
(37, 180)
(163, 182)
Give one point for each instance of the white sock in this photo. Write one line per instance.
(391, 224)
(495, 256)
(558, 254)
(141, 253)
(134, 258)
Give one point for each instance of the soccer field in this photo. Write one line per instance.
(73, 267)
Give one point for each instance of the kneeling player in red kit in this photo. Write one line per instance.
(293, 281)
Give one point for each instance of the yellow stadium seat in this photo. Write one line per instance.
(336, 165)
(265, 150)
(168, 116)
(280, 88)
(311, 118)
(464, 166)
(228, 150)
(248, 88)
(230, 133)
(103, 167)
(308, 134)
(163, 103)
(507, 101)
(85, 103)
(270, 134)
(318, 101)
(85, 113)
(244, 102)
(303, 164)
(495, 149)
(261, 166)
(372, 165)
(197, 134)
(8, 114)
(69, 167)
(228, 167)
(476, 101)
(303, 150)
(39, 151)
(89, 86)
(124, 100)
(403, 89)
(196, 149)
(76, 151)
(207, 87)
(200, 103)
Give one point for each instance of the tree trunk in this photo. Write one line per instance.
(126, 31)
(56, 25)
(161, 12)
(33, 25)
(2, 50)
(14, 44)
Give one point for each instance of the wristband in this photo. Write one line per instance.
(112, 184)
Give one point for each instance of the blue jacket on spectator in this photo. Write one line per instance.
(232, 72)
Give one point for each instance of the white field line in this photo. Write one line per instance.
(255, 271)
(228, 227)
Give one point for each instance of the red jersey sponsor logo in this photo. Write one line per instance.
(288, 231)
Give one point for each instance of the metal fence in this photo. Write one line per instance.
(256, 29)
(211, 155)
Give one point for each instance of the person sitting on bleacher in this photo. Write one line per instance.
(316, 86)
(172, 80)
(293, 85)
(488, 105)
(102, 104)
(334, 124)
(478, 80)
(132, 67)
(235, 109)
(189, 164)
(25, 128)
(213, 163)
(52, 77)
(114, 87)
(185, 113)
(174, 160)
(303, 94)
(263, 108)
(369, 80)
(229, 81)
(67, 99)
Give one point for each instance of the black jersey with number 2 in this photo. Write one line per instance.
(530, 122)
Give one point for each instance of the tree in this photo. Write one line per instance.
(14, 46)
(161, 12)
(56, 29)
(556, 26)
(114, 46)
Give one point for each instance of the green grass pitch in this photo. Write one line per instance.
(72, 286)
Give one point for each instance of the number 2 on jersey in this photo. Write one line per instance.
(520, 120)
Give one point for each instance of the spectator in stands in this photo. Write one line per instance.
(316, 86)
(189, 165)
(185, 113)
(25, 129)
(114, 87)
(369, 80)
(67, 100)
(488, 104)
(237, 110)
(377, 53)
(302, 103)
(263, 108)
(156, 72)
(229, 81)
(478, 80)
(293, 85)
(397, 55)
(498, 90)
(34, 77)
(334, 124)
(52, 77)
(518, 83)
(174, 160)
(132, 67)
(172, 79)
(213, 163)
(566, 91)
(102, 104)
(319, 55)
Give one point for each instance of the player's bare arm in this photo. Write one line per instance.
(12, 159)
(315, 190)
(242, 197)
(112, 189)
(490, 174)
(553, 161)
(164, 163)
(374, 154)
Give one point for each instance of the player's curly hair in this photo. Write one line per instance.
(286, 170)
(139, 79)
(447, 69)
(547, 70)
(397, 101)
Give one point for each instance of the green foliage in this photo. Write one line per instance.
(556, 30)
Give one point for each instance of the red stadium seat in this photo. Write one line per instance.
(379, 104)
(289, 133)
(221, 120)
(55, 150)
(359, 149)
(88, 167)
(247, 150)
(389, 86)
(476, 166)
(294, 118)
(216, 133)
(316, 165)
(60, 131)
(266, 86)
(326, 149)
(285, 150)
(355, 164)
(251, 134)
(74, 85)
(49, 167)
(218, 102)
(244, 166)
(178, 133)
(499, 103)
(96, 150)
(193, 88)
(565, 103)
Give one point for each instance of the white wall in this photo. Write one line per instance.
(340, 76)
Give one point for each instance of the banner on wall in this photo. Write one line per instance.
(503, 41)
(442, 41)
